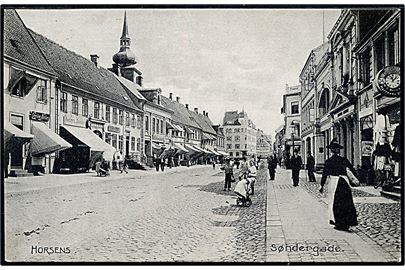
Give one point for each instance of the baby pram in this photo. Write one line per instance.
(242, 189)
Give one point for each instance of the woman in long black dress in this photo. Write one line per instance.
(342, 212)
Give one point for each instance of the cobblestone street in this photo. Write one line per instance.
(183, 215)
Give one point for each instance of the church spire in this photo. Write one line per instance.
(125, 57)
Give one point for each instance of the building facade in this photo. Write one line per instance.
(240, 134)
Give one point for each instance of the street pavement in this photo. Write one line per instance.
(297, 217)
(183, 215)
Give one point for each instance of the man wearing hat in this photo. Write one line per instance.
(342, 212)
(295, 164)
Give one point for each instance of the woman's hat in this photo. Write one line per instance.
(334, 145)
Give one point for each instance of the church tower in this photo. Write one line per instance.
(124, 59)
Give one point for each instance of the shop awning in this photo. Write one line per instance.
(157, 146)
(87, 137)
(180, 147)
(201, 150)
(170, 125)
(10, 131)
(179, 128)
(191, 148)
(222, 153)
(46, 141)
(215, 152)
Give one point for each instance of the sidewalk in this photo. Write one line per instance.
(298, 230)
(31, 183)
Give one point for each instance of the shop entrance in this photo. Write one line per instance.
(127, 146)
(17, 156)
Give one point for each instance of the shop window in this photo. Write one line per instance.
(120, 142)
(115, 116)
(75, 105)
(121, 117)
(42, 92)
(85, 107)
(63, 102)
(108, 114)
(114, 141)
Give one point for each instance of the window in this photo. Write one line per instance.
(380, 53)
(120, 142)
(365, 67)
(237, 146)
(133, 121)
(229, 146)
(153, 125)
(63, 102)
(231, 154)
(138, 144)
(393, 45)
(114, 141)
(97, 110)
(229, 138)
(161, 126)
(115, 115)
(121, 117)
(147, 123)
(108, 114)
(245, 146)
(157, 126)
(138, 121)
(294, 107)
(127, 119)
(17, 120)
(133, 143)
(42, 91)
(75, 105)
(237, 154)
(108, 138)
(85, 107)
(237, 138)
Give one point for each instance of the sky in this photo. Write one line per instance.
(215, 59)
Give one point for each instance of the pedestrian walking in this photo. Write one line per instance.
(156, 161)
(162, 164)
(272, 165)
(342, 212)
(213, 164)
(124, 165)
(311, 167)
(295, 165)
(98, 166)
(228, 169)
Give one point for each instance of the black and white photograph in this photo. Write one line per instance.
(202, 134)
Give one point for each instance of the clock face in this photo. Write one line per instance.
(389, 81)
(393, 80)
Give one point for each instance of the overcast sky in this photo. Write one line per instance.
(216, 60)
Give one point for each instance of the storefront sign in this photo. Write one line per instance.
(38, 116)
(388, 81)
(114, 129)
(367, 148)
(74, 120)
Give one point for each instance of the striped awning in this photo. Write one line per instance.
(180, 148)
(10, 131)
(179, 128)
(170, 125)
(201, 150)
(222, 153)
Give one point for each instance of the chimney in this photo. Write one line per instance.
(178, 99)
(204, 113)
(171, 96)
(139, 80)
(196, 110)
(94, 58)
(186, 106)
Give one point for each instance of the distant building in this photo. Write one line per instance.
(264, 146)
(240, 134)
(279, 145)
(292, 120)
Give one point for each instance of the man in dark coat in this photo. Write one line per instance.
(295, 165)
(272, 165)
(311, 167)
